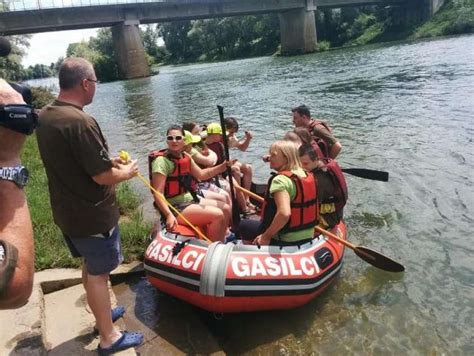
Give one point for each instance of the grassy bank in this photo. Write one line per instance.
(455, 17)
(51, 251)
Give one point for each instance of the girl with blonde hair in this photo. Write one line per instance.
(290, 210)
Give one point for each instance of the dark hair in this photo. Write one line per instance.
(231, 123)
(302, 110)
(175, 127)
(304, 135)
(306, 149)
(73, 71)
(189, 126)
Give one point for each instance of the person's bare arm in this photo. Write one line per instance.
(208, 173)
(282, 215)
(205, 161)
(335, 149)
(15, 221)
(118, 173)
(158, 182)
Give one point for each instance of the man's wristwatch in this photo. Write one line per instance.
(17, 174)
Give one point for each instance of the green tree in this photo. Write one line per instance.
(11, 67)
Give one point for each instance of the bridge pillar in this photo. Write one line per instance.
(129, 51)
(418, 11)
(297, 32)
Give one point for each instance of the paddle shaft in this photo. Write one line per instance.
(367, 173)
(235, 206)
(162, 197)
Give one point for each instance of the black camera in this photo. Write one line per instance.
(19, 118)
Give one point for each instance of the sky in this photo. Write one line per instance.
(49, 46)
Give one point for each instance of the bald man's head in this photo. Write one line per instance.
(73, 71)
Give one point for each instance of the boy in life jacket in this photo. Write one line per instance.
(318, 129)
(332, 186)
(242, 172)
(214, 142)
(290, 209)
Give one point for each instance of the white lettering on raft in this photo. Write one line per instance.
(272, 266)
(188, 260)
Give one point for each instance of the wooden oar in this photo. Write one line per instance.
(162, 197)
(235, 206)
(375, 258)
(367, 173)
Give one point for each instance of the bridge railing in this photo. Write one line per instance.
(21, 5)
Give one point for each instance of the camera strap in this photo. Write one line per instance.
(19, 118)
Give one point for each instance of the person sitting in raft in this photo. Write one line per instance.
(172, 173)
(242, 172)
(214, 142)
(192, 127)
(209, 190)
(332, 186)
(290, 210)
(320, 130)
(301, 136)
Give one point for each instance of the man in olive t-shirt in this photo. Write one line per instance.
(302, 118)
(81, 181)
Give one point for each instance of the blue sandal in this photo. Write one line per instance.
(117, 313)
(126, 341)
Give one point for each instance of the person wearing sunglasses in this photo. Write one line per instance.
(81, 179)
(171, 173)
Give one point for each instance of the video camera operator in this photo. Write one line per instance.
(16, 232)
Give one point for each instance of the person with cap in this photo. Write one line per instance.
(320, 130)
(172, 174)
(208, 189)
(214, 142)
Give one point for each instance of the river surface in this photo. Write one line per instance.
(405, 108)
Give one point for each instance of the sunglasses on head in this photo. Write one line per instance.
(174, 138)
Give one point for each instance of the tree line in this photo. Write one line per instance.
(248, 36)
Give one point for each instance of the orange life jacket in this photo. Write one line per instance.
(304, 207)
(180, 180)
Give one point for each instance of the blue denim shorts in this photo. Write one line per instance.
(102, 253)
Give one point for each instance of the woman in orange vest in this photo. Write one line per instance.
(172, 171)
(290, 210)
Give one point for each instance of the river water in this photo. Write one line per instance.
(405, 108)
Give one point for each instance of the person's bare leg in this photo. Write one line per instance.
(236, 172)
(98, 297)
(211, 216)
(220, 203)
(84, 275)
(247, 173)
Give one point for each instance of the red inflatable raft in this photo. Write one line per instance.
(230, 277)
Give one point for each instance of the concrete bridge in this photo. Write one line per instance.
(297, 23)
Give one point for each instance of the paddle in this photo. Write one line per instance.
(235, 206)
(367, 173)
(375, 258)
